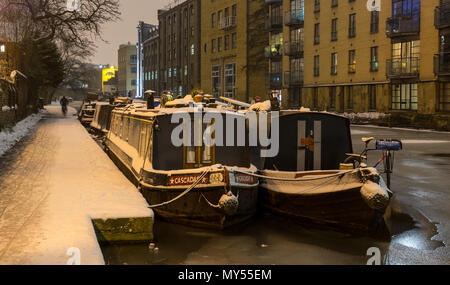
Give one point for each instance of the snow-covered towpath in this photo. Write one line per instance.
(58, 181)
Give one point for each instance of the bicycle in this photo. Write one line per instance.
(388, 148)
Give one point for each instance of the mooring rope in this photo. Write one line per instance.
(294, 179)
(184, 192)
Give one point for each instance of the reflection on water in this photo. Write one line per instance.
(266, 240)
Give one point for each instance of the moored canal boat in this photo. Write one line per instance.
(305, 180)
(193, 185)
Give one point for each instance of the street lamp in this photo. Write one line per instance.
(2, 48)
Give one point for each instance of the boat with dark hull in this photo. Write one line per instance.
(192, 185)
(307, 180)
(102, 119)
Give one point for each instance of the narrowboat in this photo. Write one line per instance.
(102, 119)
(306, 179)
(198, 185)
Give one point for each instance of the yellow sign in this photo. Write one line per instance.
(108, 73)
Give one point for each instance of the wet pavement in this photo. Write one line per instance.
(419, 224)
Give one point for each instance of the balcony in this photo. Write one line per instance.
(407, 67)
(269, 2)
(274, 23)
(442, 64)
(293, 78)
(274, 80)
(273, 51)
(227, 23)
(294, 17)
(402, 26)
(442, 17)
(293, 49)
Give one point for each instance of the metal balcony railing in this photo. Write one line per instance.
(227, 23)
(294, 48)
(294, 17)
(274, 22)
(442, 63)
(402, 67)
(269, 2)
(274, 80)
(293, 78)
(402, 26)
(442, 17)
(274, 50)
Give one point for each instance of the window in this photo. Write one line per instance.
(192, 49)
(404, 97)
(234, 40)
(216, 81)
(315, 98)
(227, 42)
(444, 97)
(213, 45)
(316, 6)
(334, 29)
(133, 59)
(185, 70)
(133, 70)
(349, 97)
(230, 80)
(334, 3)
(351, 61)
(133, 82)
(316, 65)
(219, 44)
(316, 34)
(374, 21)
(199, 156)
(372, 97)
(213, 20)
(333, 97)
(352, 26)
(334, 63)
(374, 59)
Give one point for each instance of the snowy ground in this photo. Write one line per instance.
(51, 186)
(9, 137)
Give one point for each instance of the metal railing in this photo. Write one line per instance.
(275, 50)
(442, 63)
(293, 78)
(402, 67)
(294, 17)
(274, 79)
(274, 22)
(402, 26)
(442, 16)
(294, 48)
(227, 23)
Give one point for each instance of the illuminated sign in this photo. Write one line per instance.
(108, 73)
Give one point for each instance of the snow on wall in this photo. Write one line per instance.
(8, 138)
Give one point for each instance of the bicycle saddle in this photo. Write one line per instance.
(366, 140)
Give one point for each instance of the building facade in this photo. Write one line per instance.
(285, 52)
(442, 58)
(179, 48)
(150, 59)
(359, 60)
(127, 75)
(232, 53)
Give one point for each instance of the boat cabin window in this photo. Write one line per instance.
(199, 156)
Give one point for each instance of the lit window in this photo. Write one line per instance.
(192, 49)
(2, 48)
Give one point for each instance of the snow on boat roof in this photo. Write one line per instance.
(151, 113)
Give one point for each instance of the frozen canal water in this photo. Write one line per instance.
(420, 227)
